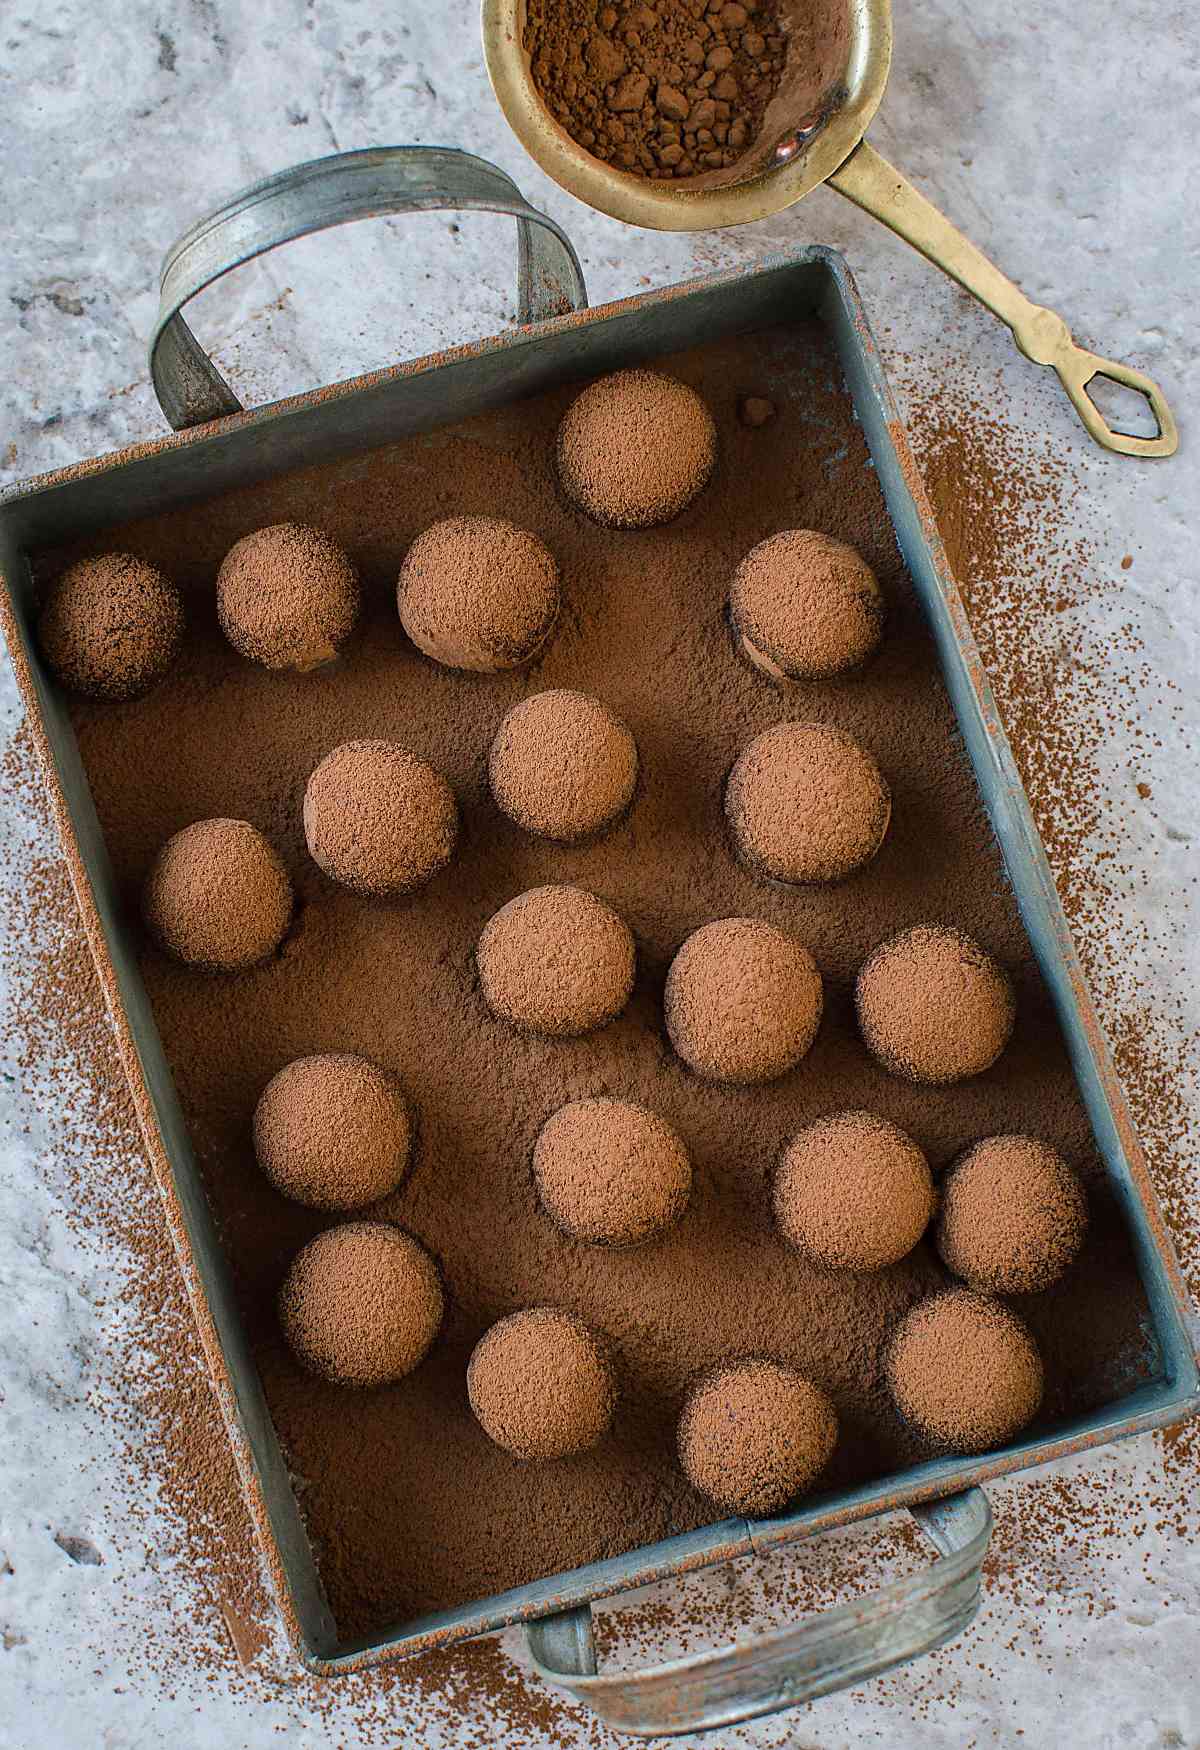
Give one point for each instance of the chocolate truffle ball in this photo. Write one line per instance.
(541, 1385)
(333, 1131)
(556, 960)
(805, 802)
(1013, 1216)
(563, 766)
(933, 1006)
(111, 626)
(362, 1304)
(217, 896)
(754, 1436)
(378, 819)
(635, 448)
(611, 1172)
(743, 1001)
(964, 1371)
(853, 1192)
(287, 596)
(479, 593)
(805, 607)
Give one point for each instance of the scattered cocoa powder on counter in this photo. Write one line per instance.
(392, 1549)
(660, 88)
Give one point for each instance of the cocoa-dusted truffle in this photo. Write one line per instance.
(111, 626)
(743, 1001)
(805, 607)
(853, 1192)
(477, 592)
(378, 819)
(333, 1131)
(217, 896)
(964, 1371)
(556, 960)
(805, 802)
(933, 1006)
(754, 1436)
(541, 1385)
(287, 596)
(635, 448)
(362, 1304)
(1013, 1216)
(563, 766)
(611, 1172)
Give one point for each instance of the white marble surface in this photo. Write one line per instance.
(1061, 136)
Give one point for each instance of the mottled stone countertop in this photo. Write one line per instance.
(1061, 137)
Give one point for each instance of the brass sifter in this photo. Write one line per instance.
(812, 132)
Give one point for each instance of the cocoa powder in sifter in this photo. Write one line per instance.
(659, 88)
(397, 1480)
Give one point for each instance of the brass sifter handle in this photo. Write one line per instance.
(872, 183)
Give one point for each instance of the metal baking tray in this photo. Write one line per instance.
(560, 340)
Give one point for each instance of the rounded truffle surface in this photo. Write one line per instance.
(754, 1436)
(361, 1304)
(477, 592)
(853, 1192)
(111, 626)
(287, 596)
(333, 1131)
(964, 1371)
(635, 448)
(743, 1001)
(562, 766)
(805, 607)
(806, 803)
(933, 1006)
(378, 819)
(556, 960)
(217, 896)
(1013, 1216)
(541, 1385)
(611, 1172)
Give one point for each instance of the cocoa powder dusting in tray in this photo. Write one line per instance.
(1002, 509)
(392, 1480)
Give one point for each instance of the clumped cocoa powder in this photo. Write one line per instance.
(659, 88)
(398, 1533)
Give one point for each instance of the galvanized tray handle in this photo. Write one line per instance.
(331, 191)
(831, 1651)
